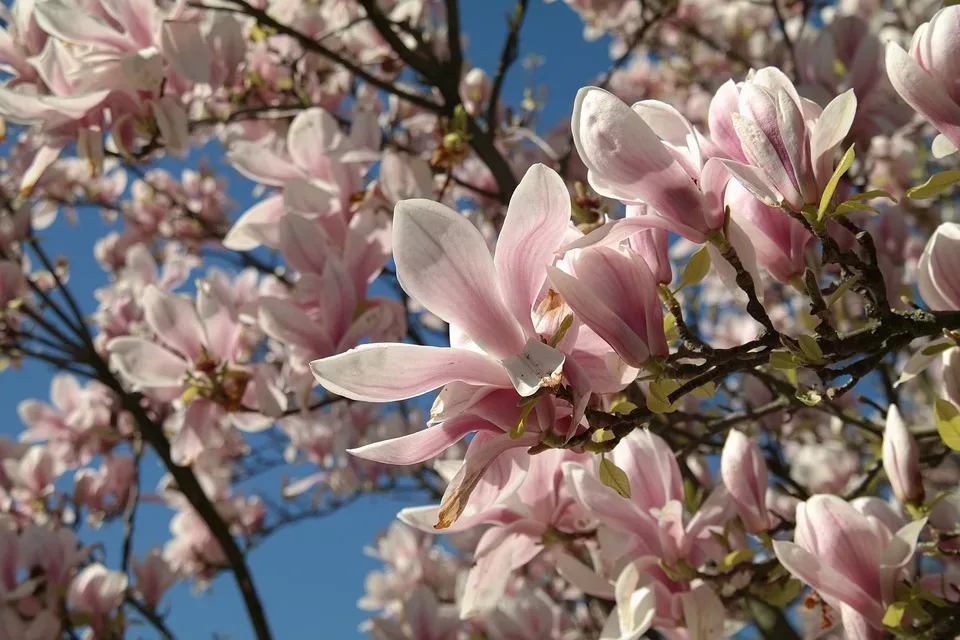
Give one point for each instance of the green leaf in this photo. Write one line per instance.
(740, 556)
(933, 599)
(698, 266)
(614, 477)
(937, 184)
(842, 289)
(602, 435)
(658, 399)
(870, 195)
(847, 207)
(692, 495)
(948, 423)
(784, 360)
(831, 187)
(780, 594)
(706, 391)
(623, 408)
(894, 615)
(809, 347)
(934, 349)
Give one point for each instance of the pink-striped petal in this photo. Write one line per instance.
(443, 262)
(391, 372)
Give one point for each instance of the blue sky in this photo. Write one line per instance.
(311, 575)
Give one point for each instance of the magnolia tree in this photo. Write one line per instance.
(703, 371)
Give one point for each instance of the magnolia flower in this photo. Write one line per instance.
(848, 54)
(780, 146)
(616, 296)
(542, 503)
(780, 242)
(939, 269)
(653, 515)
(901, 459)
(443, 262)
(320, 172)
(648, 154)
(854, 562)
(745, 476)
(97, 591)
(635, 608)
(200, 348)
(926, 77)
(153, 577)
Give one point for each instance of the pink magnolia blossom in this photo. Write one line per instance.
(34, 473)
(653, 516)
(901, 459)
(853, 561)
(328, 310)
(153, 577)
(53, 553)
(76, 425)
(745, 476)
(780, 241)
(847, 54)
(541, 503)
(938, 271)
(648, 154)
(443, 262)
(97, 592)
(319, 173)
(616, 295)
(782, 147)
(107, 489)
(200, 350)
(924, 78)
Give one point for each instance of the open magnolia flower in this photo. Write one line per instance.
(199, 356)
(854, 561)
(778, 145)
(926, 77)
(491, 304)
(443, 262)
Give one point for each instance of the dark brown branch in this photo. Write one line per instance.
(508, 55)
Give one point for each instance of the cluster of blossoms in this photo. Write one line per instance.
(703, 362)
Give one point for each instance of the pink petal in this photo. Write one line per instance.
(312, 135)
(609, 506)
(537, 221)
(809, 569)
(627, 161)
(487, 467)
(284, 321)
(421, 445)
(70, 24)
(185, 47)
(614, 232)
(923, 93)
(391, 372)
(146, 364)
(174, 319)
(255, 160)
(443, 263)
(257, 226)
(487, 581)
